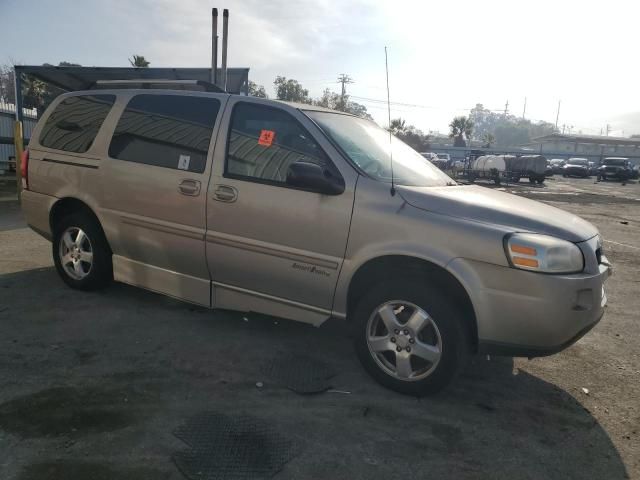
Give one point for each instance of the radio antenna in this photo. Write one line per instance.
(386, 65)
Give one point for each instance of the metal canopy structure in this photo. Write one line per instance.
(84, 78)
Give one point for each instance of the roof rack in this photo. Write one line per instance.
(198, 85)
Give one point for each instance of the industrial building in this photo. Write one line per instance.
(593, 147)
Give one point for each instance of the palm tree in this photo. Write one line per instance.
(34, 93)
(488, 140)
(398, 126)
(461, 128)
(139, 61)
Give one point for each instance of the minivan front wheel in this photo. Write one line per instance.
(81, 253)
(409, 337)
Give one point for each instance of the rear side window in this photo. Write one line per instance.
(74, 124)
(264, 141)
(171, 131)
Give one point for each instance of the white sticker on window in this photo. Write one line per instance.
(183, 162)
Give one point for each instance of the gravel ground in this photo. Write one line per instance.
(93, 385)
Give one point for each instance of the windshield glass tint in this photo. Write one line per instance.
(367, 146)
(615, 162)
(579, 162)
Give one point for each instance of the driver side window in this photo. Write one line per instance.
(264, 141)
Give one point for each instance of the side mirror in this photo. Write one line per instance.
(311, 176)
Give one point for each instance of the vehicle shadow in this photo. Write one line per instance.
(494, 422)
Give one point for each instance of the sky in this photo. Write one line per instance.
(444, 57)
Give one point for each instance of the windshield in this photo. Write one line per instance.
(615, 162)
(367, 146)
(578, 161)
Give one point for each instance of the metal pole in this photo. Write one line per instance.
(225, 39)
(558, 115)
(18, 133)
(214, 46)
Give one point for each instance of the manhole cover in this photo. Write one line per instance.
(225, 447)
(300, 373)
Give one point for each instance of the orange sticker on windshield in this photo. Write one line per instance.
(266, 138)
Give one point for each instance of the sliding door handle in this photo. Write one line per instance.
(189, 187)
(225, 193)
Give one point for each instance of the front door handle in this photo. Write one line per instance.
(189, 187)
(225, 193)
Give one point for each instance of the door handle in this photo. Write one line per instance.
(225, 193)
(189, 187)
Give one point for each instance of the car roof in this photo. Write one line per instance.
(115, 91)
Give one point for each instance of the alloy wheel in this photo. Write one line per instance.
(76, 253)
(404, 340)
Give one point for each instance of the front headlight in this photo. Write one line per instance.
(543, 253)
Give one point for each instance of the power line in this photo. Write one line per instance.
(415, 105)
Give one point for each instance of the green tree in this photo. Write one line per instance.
(507, 130)
(461, 128)
(398, 126)
(139, 61)
(410, 135)
(358, 110)
(488, 140)
(256, 90)
(328, 99)
(35, 94)
(291, 90)
(7, 85)
(333, 100)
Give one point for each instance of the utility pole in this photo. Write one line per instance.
(524, 110)
(608, 129)
(344, 79)
(506, 108)
(558, 115)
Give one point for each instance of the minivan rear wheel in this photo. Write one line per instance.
(81, 253)
(409, 337)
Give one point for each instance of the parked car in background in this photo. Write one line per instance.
(557, 164)
(616, 168)
(576, 167)
(593, 168)
(548, 171)
(249, 204)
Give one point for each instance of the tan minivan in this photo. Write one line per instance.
(249, 204)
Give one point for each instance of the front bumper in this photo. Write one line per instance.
(529, 314)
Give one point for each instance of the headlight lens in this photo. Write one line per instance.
(543, 253)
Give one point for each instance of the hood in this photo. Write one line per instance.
(493, 206)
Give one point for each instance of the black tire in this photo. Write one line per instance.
(532, 180)
(100, 272)
(540, 181)
(455, 346)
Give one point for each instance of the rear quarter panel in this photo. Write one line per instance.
(58, 174)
